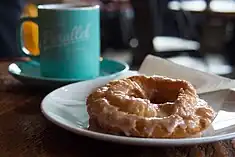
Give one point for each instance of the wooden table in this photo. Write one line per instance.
(24, 132)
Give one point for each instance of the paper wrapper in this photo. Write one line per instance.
(203, 82)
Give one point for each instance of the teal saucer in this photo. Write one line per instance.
(28, 72)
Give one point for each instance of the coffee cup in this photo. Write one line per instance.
(69, 40)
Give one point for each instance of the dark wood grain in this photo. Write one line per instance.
(24, 132)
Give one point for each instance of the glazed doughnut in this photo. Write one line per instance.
(150, 107)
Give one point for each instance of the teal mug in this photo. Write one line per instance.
(69, 40)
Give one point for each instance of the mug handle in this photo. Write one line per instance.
(23, 51)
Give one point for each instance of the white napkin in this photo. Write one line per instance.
(203, 82)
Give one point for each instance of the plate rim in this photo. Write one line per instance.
(129, 140)
(126, 68)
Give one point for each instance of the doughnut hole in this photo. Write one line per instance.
(163, 96)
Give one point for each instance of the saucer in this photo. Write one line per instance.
(28, 72)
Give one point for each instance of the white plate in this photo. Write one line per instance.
(65, 107)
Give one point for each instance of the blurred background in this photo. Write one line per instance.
(196, 33)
